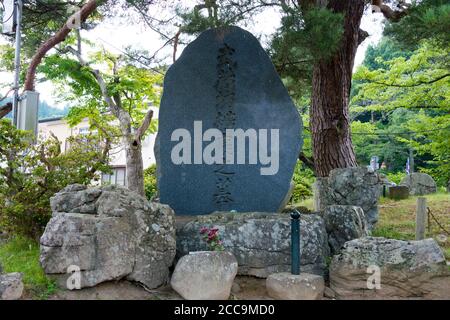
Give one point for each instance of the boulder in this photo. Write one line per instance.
(350, 186)
(287, 286)
(407, 269)
(398, 192)
(261, 242)
(11, 286)
(205, 275)
(108, 233)
(419, 184)
(344, 223)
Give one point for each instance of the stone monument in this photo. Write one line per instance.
(229, 134)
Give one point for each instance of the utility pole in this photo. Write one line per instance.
(18, 42)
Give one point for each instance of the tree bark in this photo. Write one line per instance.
(135, 166)
(331, 83)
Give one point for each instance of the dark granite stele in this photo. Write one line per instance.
(225, 80)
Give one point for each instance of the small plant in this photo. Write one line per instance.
(212, 238)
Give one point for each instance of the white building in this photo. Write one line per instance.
(60, 128)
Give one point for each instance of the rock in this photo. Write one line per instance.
(350, 186)
(344, 223)
(226, 80)
(261, 242)
(329, 293)
(286, 286)
(419, 184)
(205, 275)
(398, 192)
(11, 286)
(407, 269)
(113, 241)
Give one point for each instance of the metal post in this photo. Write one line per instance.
(295, 242)
(17, 61)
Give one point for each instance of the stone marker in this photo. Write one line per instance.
(287, 286)
(419, 184)
(421, 217)
(206, 275)
(225, 80)
(398, 192)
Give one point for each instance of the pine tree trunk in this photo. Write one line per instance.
(329, 113)
(135, 166)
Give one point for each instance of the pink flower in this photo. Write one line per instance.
(203, 230)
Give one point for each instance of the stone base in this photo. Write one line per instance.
(286, 286)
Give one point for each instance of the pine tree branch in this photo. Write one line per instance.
(59, 37)
(144, 126)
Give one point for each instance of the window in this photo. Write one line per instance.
(83, 131)
(116, 177)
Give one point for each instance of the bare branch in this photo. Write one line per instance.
(144, 126)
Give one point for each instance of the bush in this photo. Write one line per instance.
(32, 173)
(303, 179)
(150, 182)
(396, 177)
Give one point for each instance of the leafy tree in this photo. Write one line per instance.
(32, 173)
(116, 101)
(402, 87)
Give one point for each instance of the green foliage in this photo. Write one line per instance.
(35, 172)
(150, 182)
(135, 89)
(303, 180)
(420, 81)
(396, 177)
(21, 254)
(397, 91)
(426, 20)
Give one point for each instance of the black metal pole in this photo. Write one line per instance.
(295, 242)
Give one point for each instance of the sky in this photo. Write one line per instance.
(115, 34)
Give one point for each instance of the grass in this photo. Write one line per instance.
(22, 255)
(397, 218)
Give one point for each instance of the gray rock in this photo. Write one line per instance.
(11, 286)
(261, 242)
(225, 79)
(286, 286)
(205, 275)
(115, 241)
(350, 186)
(344, 223)
(407, 269)
(419, 184)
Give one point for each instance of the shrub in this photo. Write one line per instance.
(395, 177)
(150, 182)
(303, 179)
(32, 173)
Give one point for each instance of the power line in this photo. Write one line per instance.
(395, 133)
